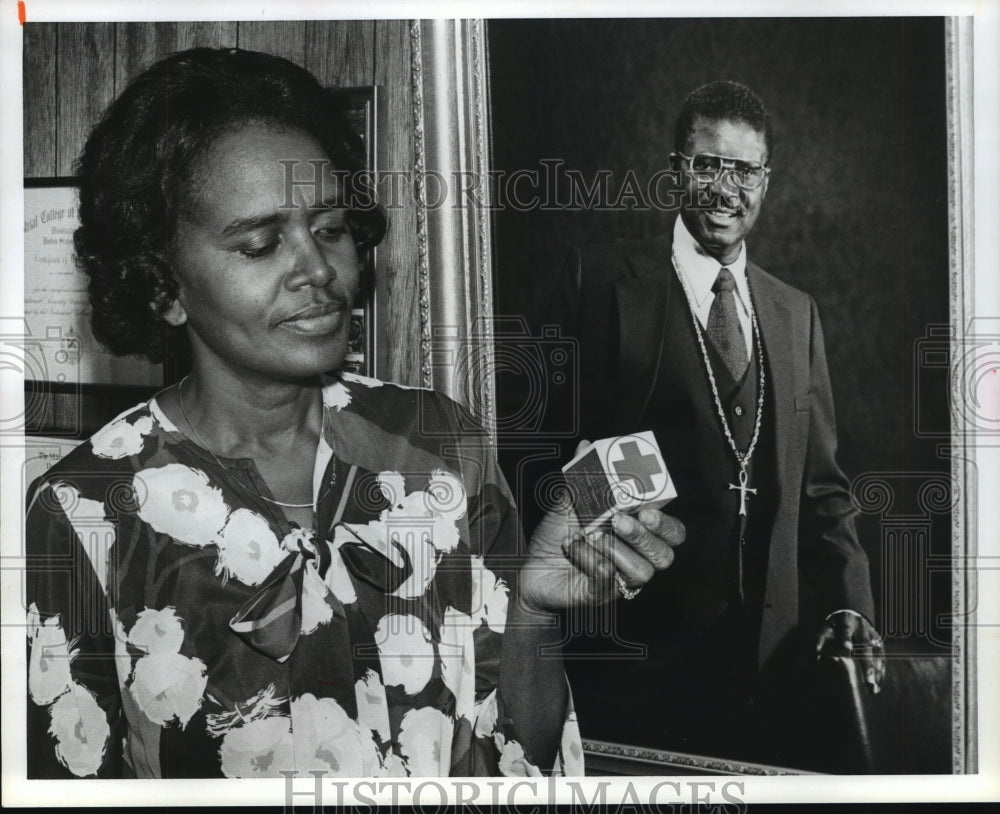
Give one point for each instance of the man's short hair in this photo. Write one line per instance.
(723, 101)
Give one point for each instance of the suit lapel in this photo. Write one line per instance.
(642, 307)
(775, 322)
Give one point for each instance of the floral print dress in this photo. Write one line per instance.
(179, 626)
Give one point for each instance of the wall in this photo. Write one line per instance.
(72, 71)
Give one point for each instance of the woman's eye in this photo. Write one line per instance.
(332, 232)
(254, 252)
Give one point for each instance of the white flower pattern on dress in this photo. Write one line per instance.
(316, 610)
(422, 523)
(264, 704)
(406, 652)
(166, 686)
(248, 549)
(123, 659)
(260, 748)
(338, 578)
(80, 729)
(570, 757)
(513, 762)
(96, 534)
(365, 381)
(456, 651)
(180, 502)
(157, 631)
(425, 741)
(489, 596)
(336, 396)
(373, 711)
(447, 502)
(121, 438)
(370, 383)
(393, 766)
(298, 539)
(49, 674)
(327, 739)
(486, 716)
(393, 487)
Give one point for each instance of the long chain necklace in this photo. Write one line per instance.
(742, 458)
(180, 401)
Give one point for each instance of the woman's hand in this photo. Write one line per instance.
(567, 568)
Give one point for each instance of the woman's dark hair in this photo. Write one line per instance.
(723, 101)
(135, 172)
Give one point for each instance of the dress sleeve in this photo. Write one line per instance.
(75, 724)
(498, 550)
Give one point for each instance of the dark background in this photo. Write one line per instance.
(856, 215)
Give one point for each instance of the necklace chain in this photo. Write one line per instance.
(180, 401)
(742, 458)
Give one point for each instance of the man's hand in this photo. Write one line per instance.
(848, 634)
(566, 568)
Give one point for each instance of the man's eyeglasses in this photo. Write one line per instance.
(745, 174)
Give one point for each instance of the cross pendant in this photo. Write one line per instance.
(743, 490)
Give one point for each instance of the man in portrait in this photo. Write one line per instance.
(685, 336)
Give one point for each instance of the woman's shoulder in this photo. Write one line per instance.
(114, 447)
(390, 404)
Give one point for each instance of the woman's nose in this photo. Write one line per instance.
(312, 266)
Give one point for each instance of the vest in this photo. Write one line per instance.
(714, 591)
(698, 632)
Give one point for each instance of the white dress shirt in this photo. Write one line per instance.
(698, 271)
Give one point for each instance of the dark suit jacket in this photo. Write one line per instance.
(612, 298)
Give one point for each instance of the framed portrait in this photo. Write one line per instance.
(866, 210)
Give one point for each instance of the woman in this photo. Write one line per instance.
(265, 568)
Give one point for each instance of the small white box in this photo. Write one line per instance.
(624, 474)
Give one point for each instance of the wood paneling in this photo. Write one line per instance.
(86, 81)
(72, 71)
(39, 89)
(283, 39)
(218, 34)
(397, 290)
(341, 52)
(139, 45)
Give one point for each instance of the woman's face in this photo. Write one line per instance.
(265, 263)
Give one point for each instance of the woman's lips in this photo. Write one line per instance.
(317, 319)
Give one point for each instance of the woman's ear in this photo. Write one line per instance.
(174, 313)
(166, 302)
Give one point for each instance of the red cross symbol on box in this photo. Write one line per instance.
(637, 467)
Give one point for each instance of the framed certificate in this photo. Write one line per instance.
(72, 384)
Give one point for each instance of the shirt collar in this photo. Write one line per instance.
(700, 269)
